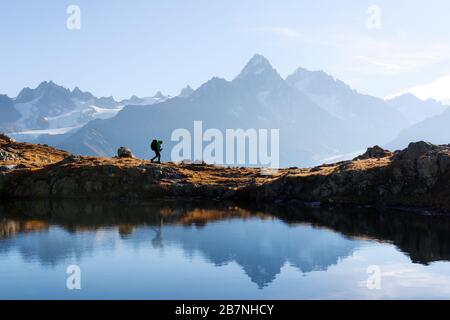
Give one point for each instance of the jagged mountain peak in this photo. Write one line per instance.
(302, 73)
(259, 59)
(186, 92)
(159, 95)
(213, 84)
(316, 81)
(106, 102)
(50, 87)
(258, 66)
(336, 119)
(81, 95)
(49, 83)
(134, 100)
(44, 89)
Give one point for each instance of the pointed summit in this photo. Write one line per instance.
(80, 95)
(45, 84)
(106, 102)
(159, 95)
(25, 95)
(259, 60)
(186, 92)
(44, 88)
(257, 66)
(48, 85)
(318, 82)
(134, 99)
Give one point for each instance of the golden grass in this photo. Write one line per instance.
(35, 157)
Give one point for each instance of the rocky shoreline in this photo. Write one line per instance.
(416, 177)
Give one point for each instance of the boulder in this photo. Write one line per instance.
(375, 152)
(6, 138)
(124, 152)
(415, 150)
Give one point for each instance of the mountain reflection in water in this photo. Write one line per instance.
(260, 241)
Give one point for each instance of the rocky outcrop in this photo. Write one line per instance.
(124, 152)
(415, 177)
(374, 153)
(418, 176)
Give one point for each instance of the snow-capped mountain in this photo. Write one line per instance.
(319, 117)
(257, 98)
(37, 106)
(53, 109)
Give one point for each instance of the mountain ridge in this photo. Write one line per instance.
(320, 117)
(258, 97)
(51, 107)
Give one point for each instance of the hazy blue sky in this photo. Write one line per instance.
(141, 46)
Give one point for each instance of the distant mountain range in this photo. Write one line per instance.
(438, 89)
(319, 117)
(435, 129)
(51, 108)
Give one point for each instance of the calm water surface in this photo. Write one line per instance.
(199, 251)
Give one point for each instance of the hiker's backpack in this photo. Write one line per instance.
(154, 145)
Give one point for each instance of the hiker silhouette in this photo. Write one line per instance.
(156, 147)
